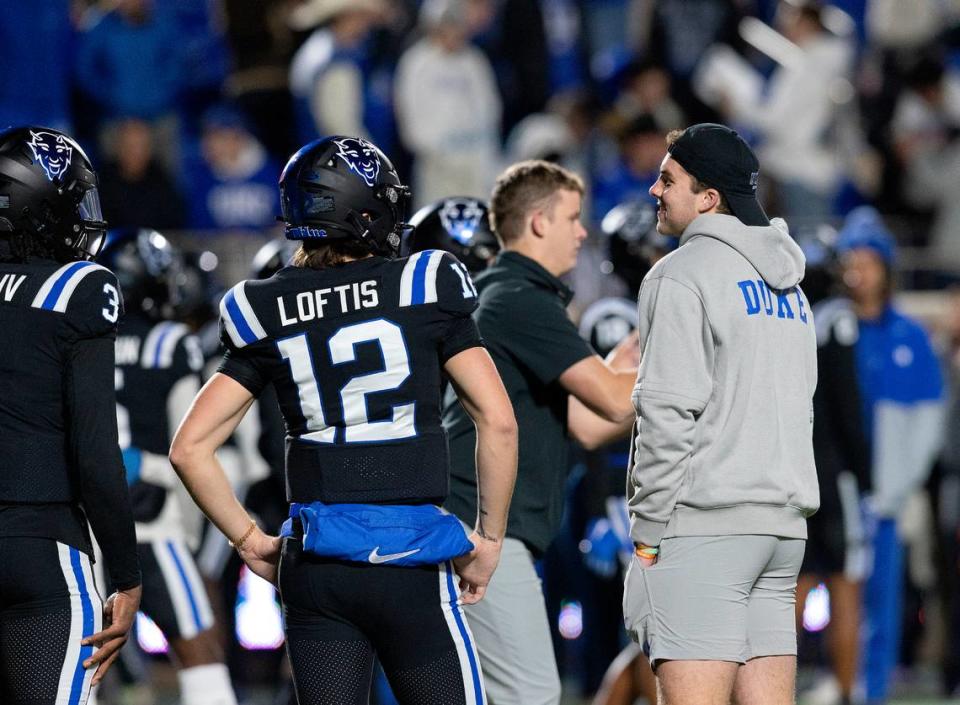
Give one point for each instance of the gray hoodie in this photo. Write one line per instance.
(724, 395)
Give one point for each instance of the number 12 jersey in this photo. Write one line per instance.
(355, 352)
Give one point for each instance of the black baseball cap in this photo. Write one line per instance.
(719, 157)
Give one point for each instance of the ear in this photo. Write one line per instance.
(537, 224)
(707, 200)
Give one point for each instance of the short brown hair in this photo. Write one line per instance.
(525, 187)
(313, 254)
(696, 185)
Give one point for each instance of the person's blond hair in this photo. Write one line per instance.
(523, 188)
(314, 254)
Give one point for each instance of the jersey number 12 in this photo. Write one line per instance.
(342, 344)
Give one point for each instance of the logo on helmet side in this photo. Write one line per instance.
(461, 219)
(361, 157)
(52, 152)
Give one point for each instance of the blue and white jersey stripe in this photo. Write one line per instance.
(160, 345)
(241, 322)
(56, 291)
(462, 636)
(86, 619)
(418, 282)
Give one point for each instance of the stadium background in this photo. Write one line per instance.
(189, 108)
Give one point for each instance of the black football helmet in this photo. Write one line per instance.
(633, 243)
(49, 204)
(344, 187)
(271, 258)
(198, 288)
(149, 269)
(458, 225)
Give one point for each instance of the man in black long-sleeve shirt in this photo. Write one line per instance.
(60, 465)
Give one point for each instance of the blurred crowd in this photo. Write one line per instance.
(190, 107)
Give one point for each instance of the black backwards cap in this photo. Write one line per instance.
(718, 156)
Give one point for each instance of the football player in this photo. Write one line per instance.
(459, 225)
(157, 375)
(354, 341)
(60, 465)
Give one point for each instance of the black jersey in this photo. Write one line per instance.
(355, 354)
(59, 459)
(151, 359)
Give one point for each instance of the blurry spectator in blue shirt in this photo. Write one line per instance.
(636, 166)
(328, 72)
(901, 392)
(128, 61)
(233, 185)
(36, 52)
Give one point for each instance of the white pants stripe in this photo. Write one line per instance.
(462, 637)
(86, 619)
(190, 604)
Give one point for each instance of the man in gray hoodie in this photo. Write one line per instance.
(722, 477)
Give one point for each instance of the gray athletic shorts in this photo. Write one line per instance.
(715, 598)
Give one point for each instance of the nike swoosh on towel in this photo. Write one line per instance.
(375, 557)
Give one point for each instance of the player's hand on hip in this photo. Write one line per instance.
(261, 553)
(119, 611)
(476, 568)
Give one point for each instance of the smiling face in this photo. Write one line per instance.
(52, 152)
(361, 157)
(677, 203)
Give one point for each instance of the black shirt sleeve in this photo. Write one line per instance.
(461, 334)
(95, 453)
(243, 367)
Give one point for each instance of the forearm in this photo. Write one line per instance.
(619, 407)
(215, 414)
(496, 474)
(591, 430)
(205, 480)
(603, 390)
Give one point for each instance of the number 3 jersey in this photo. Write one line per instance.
(60, 466)
(355, 353)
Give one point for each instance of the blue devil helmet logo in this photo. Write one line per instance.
(361, 156)
(461, 218)
(53, 152)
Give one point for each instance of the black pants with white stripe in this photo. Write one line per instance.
(48, 604)
(339, 614)
(173, 593)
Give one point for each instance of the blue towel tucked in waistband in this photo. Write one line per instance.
(372, 533)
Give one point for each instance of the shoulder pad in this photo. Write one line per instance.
(240, 323)
(161, 343)
(437, 277)
(55, 293)
(87, 293)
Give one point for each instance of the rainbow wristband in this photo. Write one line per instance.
(647, 551)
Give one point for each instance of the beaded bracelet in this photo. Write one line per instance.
(238, 544)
